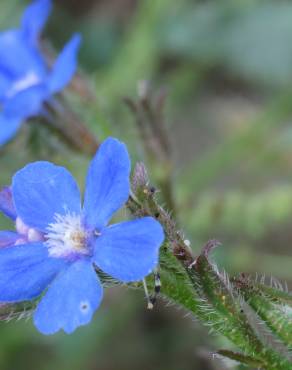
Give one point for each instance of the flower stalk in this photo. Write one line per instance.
(70, 127)
(197, 285)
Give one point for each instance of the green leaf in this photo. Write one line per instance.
(239, 357)
(278, 317)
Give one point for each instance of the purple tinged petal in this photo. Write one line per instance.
(34, 19)
(65, 65)
(6, 203)
(70, 301)
(8, 238)
(107, 183)
(25, 271)
(41, 190)
(129, 251)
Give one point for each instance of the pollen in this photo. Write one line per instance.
(66, 236)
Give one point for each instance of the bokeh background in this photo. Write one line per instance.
(227, 67)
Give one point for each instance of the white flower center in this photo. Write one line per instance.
(66, 236)
(27, 234)
(29, 80)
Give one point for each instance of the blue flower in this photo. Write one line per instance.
(65, 241)
(25, 79)
(23, 234)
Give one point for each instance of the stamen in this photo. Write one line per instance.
(66, 236)
(149, 303)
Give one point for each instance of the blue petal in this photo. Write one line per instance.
(8, 238)
(70, 301)
(25, 271)
(41, 190)
(65, 65)
(6, 203)
(22, 58)
(5, 83)
(129, 251)
(107, 183)
(26, 103)
(34, 18)
(8, 128)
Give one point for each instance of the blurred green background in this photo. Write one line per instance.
(227, 66)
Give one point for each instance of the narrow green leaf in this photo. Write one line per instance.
(278, 317)
(219, 292)
(276, 295)
(239, 357)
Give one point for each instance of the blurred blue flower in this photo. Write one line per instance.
(63, 242)
(25, 79)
